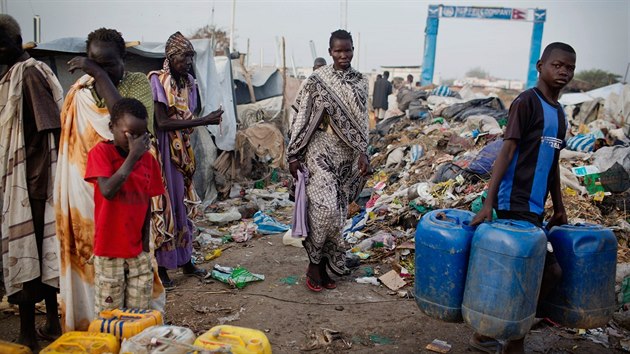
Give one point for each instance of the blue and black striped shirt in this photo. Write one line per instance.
(540, 127)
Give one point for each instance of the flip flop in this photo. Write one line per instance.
(330, 285)
(486, 346)
(42, 334)
(312, 285)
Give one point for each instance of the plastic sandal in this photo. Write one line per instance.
(312, 285)
(330, 285)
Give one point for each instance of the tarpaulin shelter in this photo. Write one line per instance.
(213, 75)
(610, 103)
(214, 81)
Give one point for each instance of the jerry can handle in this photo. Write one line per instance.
(442, 217)
(233, 337)
(71, 344)
(516, 223)
(587, 224)
(466, 226)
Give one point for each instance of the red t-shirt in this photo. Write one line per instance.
(118, 222)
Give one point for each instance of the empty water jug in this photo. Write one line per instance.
(504, 273)
(442, 248)
(585, 296)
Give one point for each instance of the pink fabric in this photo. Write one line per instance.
(300, 216)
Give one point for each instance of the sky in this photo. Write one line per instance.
(386, 32)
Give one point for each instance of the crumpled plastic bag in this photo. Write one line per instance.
(243, 231)
(395, 157)
(483, 162)
(268, 225)
(224, 218)
(237, 277)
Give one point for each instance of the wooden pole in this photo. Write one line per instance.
(248, 79)
(232, 26)
(284, 79)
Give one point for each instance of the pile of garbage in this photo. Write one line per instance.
(442, 157)
(435, 152)
(247, 214)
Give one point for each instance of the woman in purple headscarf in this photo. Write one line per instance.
(175, 97)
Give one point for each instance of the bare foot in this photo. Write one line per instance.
(313, 273)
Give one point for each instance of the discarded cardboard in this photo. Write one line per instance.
(392, 280)
(439, 346)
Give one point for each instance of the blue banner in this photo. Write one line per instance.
(491, 13)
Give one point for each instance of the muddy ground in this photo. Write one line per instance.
(369, 319)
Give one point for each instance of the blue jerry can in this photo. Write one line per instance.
(442, 247)
(507, 258)
(585, 297)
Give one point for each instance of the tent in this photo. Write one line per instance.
(610, 103)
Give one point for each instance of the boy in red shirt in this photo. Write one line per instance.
(125, 176)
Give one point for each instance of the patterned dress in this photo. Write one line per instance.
(328, 134)
(178, 165)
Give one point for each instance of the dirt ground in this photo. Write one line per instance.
(368, 318)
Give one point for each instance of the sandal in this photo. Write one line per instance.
(486, 346)
(326, 281)
(330, 285)
(312, 285)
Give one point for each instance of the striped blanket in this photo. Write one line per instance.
(20, 258)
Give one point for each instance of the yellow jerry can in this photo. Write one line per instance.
(239, 340)
(14, 348)
(125, 323)
(83, 343)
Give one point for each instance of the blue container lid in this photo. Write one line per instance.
(514, 238)
(446, 229)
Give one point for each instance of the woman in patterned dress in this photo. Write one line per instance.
(329, 140)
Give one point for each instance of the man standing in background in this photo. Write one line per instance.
(382, 89)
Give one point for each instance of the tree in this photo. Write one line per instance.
(477, 72)
(597, 78)
(221, 38)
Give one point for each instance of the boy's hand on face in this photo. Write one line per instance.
(138, 145)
